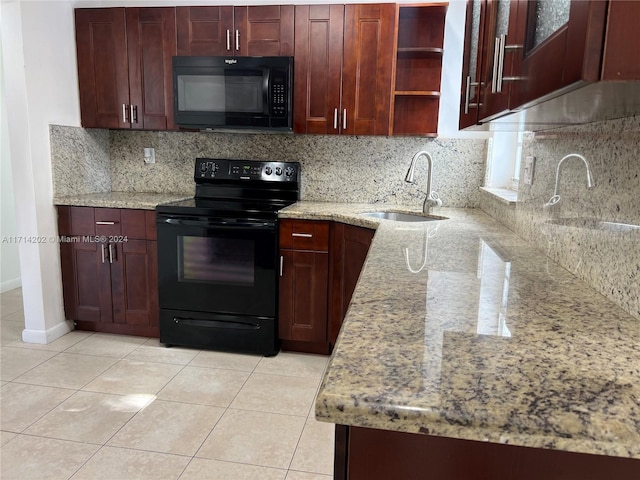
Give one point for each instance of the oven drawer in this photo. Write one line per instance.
(304, 235)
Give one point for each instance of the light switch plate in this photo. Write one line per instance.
(527, 170)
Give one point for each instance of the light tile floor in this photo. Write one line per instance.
(96, 406)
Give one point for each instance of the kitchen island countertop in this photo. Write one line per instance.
(458, 328)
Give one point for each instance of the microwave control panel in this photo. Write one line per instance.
(279, 94)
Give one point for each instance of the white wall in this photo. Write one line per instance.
(41, 88)
(9, 263)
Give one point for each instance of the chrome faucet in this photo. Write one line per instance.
(556, 196)
(433, 199)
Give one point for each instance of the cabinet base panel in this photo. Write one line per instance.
(117, 328)
(322, 348)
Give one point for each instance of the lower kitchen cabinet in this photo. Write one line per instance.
(304, 283)
(320, 265)
(109, 269)
(372, 454)
(349, 248)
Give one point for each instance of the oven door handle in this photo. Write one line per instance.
(217, 223)
(195, 322)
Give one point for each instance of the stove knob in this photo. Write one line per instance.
(278, 170)
(268, 170)
(289, 171)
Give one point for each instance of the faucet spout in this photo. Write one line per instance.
(433, 199)
(556, 196)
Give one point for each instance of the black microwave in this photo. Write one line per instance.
(233, 93)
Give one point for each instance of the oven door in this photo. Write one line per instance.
(225, 266)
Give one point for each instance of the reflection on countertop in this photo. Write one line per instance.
(487, 342)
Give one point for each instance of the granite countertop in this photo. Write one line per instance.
(143, 201)
(459, 328)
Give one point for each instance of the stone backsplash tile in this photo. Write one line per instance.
(572, 232)
(334, 168)
(80, 160)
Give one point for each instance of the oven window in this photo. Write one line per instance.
(220, 93)
(216, 260)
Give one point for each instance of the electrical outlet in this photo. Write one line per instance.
(527, 170)
(149, 155)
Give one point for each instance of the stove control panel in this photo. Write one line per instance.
(211, 169)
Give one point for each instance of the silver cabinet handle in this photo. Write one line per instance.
(134, 114)
(335, 118)
(281, 264)
(105, 223)
(228, 40)
(496, 57)
(503, 41)
(305, 235)
(124, 113)
(467, 95)
(237, 40)
(102, 251)
(111, 254)
(344, 119)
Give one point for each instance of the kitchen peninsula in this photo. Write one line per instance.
(466, 354)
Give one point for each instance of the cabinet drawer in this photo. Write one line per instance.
(107, 221)
(304, 235)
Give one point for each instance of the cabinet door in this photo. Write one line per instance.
(151, 43)
(367, 68)
(471, 63)
(349, 248)
(303, 296)
(86, 277)
(203, 31)
(102, 67)
(562, 45)
(501, 56)
(318, 68)
(263, 30)
(134, 281)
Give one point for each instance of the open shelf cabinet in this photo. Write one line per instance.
(418, 68)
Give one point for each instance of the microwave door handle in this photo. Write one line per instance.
(266, 89)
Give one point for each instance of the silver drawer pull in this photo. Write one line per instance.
(281, 264)
(305, 235)
(105, 223)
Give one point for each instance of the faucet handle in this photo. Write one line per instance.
(435, 198)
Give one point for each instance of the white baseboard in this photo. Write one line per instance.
(10, 284)
(45, 336)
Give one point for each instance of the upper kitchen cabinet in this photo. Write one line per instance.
(471, 62)
(239, 31)
(416, 92)
(344, 68)
(124, 67)
(559, 62)
(501, 57)
(563, 45)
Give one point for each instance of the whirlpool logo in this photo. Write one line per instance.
(231, 61)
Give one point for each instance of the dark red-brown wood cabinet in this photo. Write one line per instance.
(124, 67)
(304, 283)
(320, 266)
(418, 71)
(519, 53)
(235, 31)
(344, 68)
(109, 269)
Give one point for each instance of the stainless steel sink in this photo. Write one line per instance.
(402, 217)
